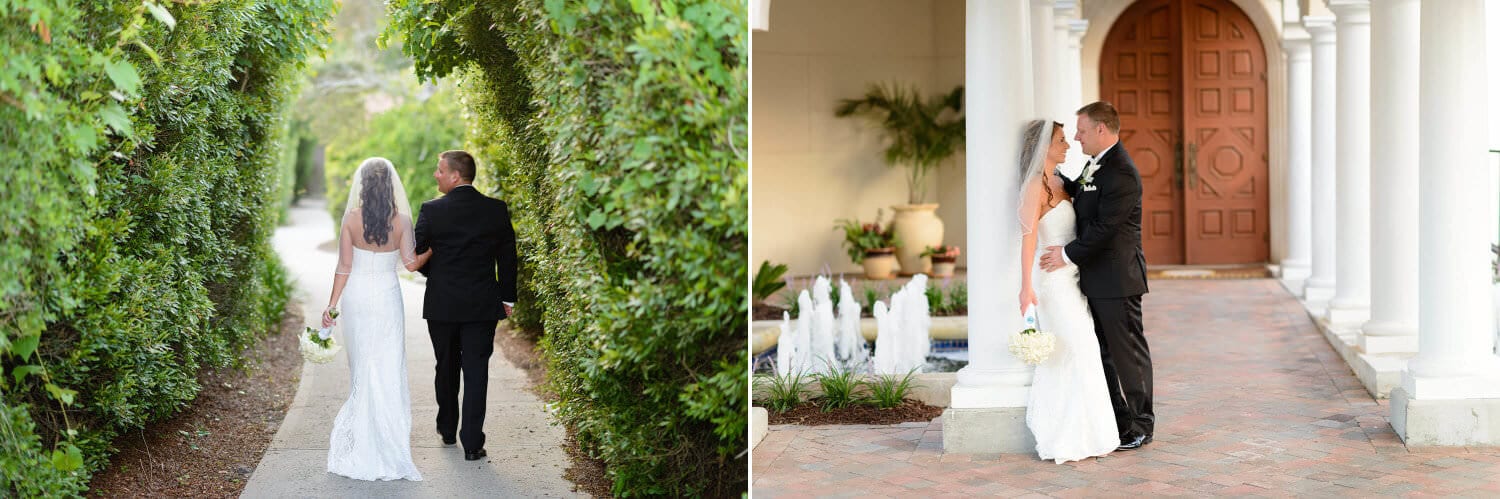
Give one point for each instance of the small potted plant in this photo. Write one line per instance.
(944, 258)
(871, 245)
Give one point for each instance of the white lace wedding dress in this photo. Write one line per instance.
(1068, 408)
(371, 437)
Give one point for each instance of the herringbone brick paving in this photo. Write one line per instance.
(1250, 400)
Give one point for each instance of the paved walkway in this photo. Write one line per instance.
(526, 458)
(1250, 400)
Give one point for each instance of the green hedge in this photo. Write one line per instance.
(139, 197)
(617, 131)
(411, 135)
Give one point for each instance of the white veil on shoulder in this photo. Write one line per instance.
(1035, 141)
(377, 216)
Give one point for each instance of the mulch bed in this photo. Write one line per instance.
(586, 473)
(211, 447)
(810, 414)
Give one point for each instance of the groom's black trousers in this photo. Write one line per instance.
(462, 347)
(1127, 363)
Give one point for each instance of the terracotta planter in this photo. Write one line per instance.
(880, 264)
(943, 267)
(917, 226)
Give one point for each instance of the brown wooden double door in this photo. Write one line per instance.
(1189, 80)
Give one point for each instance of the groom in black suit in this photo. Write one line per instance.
(1112, 267)
(471, 286)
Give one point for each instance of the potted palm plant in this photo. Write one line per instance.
(920, 136)
(870, 245)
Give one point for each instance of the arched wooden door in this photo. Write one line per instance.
(1189, 80)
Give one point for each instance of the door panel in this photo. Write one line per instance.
(1140, 64)
(1227, 206)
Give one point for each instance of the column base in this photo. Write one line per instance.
(1298, 271)
(982, 389)
(1346, 315)
(1482, 382)
(1384, 337)
(1381, 374)
(987, 431)
(1314, 291)
(989, 396)
(1445, 423)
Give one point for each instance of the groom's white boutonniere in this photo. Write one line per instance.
(1086, 181)
(1030, 345)
(318, 345)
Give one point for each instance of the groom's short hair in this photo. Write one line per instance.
(461, 162)
(1102, 112)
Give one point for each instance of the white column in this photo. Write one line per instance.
(1065, 96)
(997, 50)
(1455, 357)
(1070, 92)
(1044, 60)
(1351, 301)
(1450, 392)
(1319, 286)
(1298, 262)
(1395, 35)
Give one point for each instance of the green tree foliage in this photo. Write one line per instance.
(617, 131)
(139, 150)
(411, 135)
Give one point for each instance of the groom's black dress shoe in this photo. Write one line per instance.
(474, 455)
(448, 440)
(1134, 443)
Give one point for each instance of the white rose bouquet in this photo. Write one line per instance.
(1031, 345)
(318, 345)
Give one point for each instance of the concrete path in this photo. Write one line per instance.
(1250, 400)
(526, 458)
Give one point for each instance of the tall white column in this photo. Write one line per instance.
(1065, 97)
(1455, 316)
(990, 394)
(1395, 35)
(1319, 286)
(1450, 393)
(1298, 262)
(1070, 92)
(1351, 301)
(1044, 60)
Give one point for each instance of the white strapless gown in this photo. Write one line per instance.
(1068, 408)
(371, 437)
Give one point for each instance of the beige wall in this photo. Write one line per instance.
(811, 168)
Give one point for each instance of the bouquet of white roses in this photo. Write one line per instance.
(318, 345)
(1030, 345)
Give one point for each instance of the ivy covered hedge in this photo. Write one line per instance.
(617, 132)
(139, 150)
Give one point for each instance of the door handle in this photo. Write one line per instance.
(1177, 166)
(1192, 168)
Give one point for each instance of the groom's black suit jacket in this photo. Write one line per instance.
(473, 264)
(1108, 251)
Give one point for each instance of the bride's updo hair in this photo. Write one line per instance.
(376, 202)
(1037, 143)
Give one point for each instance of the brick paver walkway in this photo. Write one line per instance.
(1250, 400)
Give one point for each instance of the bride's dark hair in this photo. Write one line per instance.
(1036, 144)
(376, 204)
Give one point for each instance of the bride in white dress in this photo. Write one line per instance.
(1068, 408)
(371, 437)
